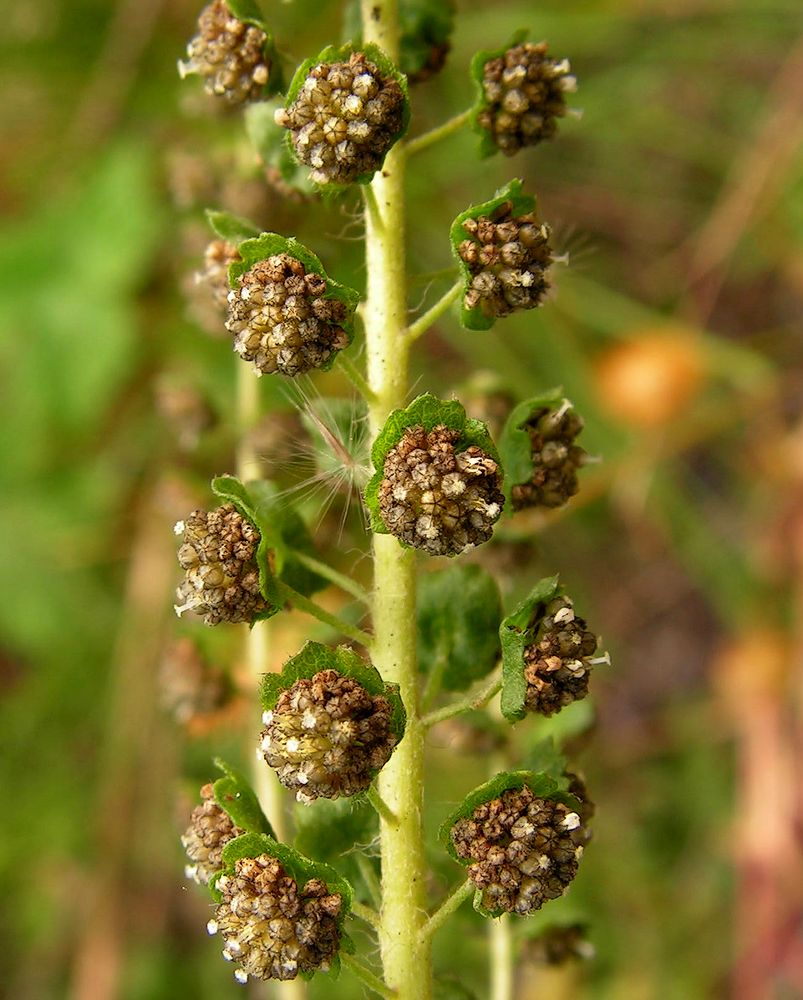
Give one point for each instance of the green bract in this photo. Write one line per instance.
(516, 632)
(521, 204)
(425, 411)
(515, 445)
(487, 146)
(230, 227)
(315, 657)
(269, 140)
(235, 797)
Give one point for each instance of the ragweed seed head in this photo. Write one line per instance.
(556, 458)
(557, 664)
(210, 829)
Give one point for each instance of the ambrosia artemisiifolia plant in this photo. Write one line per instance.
(348, 722)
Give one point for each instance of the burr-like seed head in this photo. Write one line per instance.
(281, 319)
(272, 927)
(556, 459)
(327, 736)
(523, 850)
(229, 55)
(557, 664)
(525, 93)
(210, 829)
(344, 119)
(436, 498)
(218, 555)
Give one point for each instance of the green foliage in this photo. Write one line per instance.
(337, 831)
(237, 798)
(517, 631)
(230, 227)
(520, 204)
(459, 613)
(270, 142)
(515, 445)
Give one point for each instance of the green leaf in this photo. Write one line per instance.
(336, 831)
(522, 204)
(459, 612)
(268, 245)
(517, 631)
(269, 140)
(315, 657)
(515, 445)
(545, 758)
(230, 227)
(335, 53)
(426, 411)
(487, 146)
(230, 489)
(235, 797)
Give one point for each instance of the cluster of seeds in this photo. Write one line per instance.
(210, 829)
(272, 928)
(436, 498)
(327, 736)
(219, 556)
(558, 663)
(281, 319)
(344, 119)
(214, 277)
(556, 459)
(229, 55)
(523, 850)
(508, 259)
(525, 93)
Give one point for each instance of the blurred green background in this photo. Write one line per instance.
(675, 329)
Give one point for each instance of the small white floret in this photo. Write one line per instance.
(178, 528)
(211, 927)
(241, 976)
(571, 821)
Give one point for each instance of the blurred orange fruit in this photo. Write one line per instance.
(648, 379)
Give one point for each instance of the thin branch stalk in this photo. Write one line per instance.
(471, 703)
(448, 128)
(433, 314)
(446, 909)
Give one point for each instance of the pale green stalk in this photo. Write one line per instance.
(502, 979)
(407, 964)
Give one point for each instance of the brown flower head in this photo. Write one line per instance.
(272, 927)
(219, 556)
(327, 736)
(344, 119)
(525, 93)
(229, 55)
(557, 663)
(281, 319)
(210, 829)
(556, 458)
(435, 498)
(524, 850)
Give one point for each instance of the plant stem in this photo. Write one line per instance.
(338, 579)
(366, 913)
(446, 909)
(407, 964)
(382, 808)
(424, 322)
(355, 376)
(436, 134)
(501, 958)
(302, 603)
(368, 978)
(467, 704)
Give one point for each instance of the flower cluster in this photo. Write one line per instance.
(229, 55)
(436, 498)
(524, 850)
(327, 736)
(556, 459)
(558, 663)
(219, 556)
(508, 259)
(344, 119)
(272, 927)
(525, 93)
(210, 829)
(214, 277)
(281, 319)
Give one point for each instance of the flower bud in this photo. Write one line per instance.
(523, 850)
(281, 319)
(219, 556)
(524, 93)
(274, 928)
(214, 278)
(327, 736)
(344, 119)
(435, 498)
(229, 55)
(210, 829)
(556, 459)
(557, 663)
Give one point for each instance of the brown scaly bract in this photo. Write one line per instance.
(556, 459)
(219, 556)
(229, 55)
(524, 850)
(281, 320)
(272, 928)
(344, 119)
(508, 259)
(327, 736)
(210, 829)
(437, 499)
(558, 663)
(525, 93)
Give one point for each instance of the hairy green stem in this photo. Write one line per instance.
(501, 934)
(407, 965)
(367, 977)
(468, 704)
(428, 139)
(355, 376)
(420, 326)
(304, 604)
(446, 909)
(333, 576)
(366, 913)
(382, 808)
